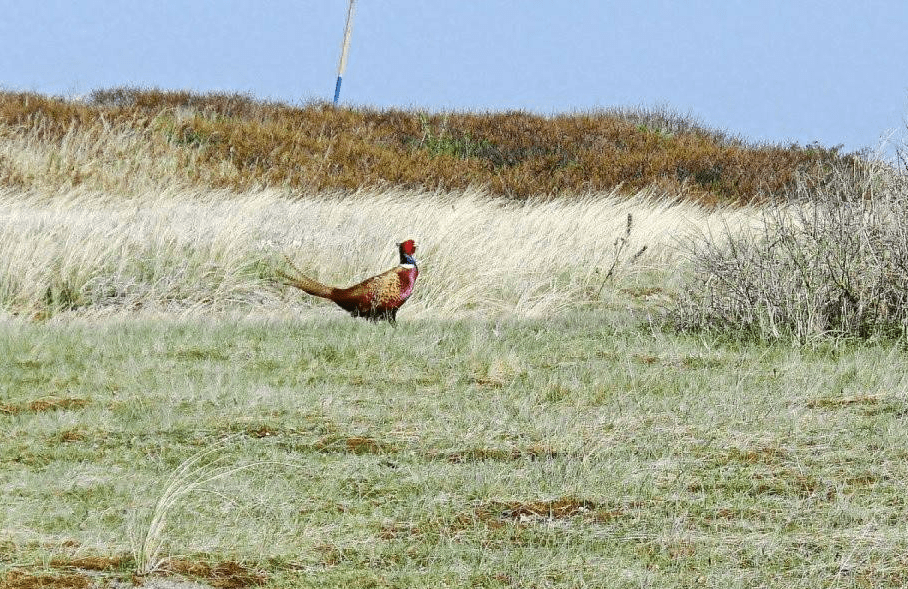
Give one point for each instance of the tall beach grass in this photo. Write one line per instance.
(195, 251)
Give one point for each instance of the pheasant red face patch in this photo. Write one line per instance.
(408, 247)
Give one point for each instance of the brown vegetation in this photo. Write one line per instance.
(18, 579)
(93, 563)
(238, 143)
(533, 452)
(224, 575)
(522, 512)
(45, 404)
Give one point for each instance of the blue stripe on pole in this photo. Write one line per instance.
(337, 90)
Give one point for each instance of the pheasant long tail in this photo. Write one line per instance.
(304, 283)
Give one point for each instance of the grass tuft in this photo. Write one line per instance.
(193, 475)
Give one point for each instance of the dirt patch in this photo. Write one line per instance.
(837, 402)
(93, 563)
(758, 455)
(534, 452)
(262, 431)
(528, 512)
(394, 531)
(334, 444)
(353, 445)
(488, 382)
(70, 573)
(45, 404)
(869, 405)
(365, 445)
(73, 435)
(17, 579)
(224, 575)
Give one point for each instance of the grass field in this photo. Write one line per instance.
(556, 433)
(538, 418)
(563, 452)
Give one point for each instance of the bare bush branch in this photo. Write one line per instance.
(830, 260)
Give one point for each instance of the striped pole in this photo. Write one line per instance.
(342, 64)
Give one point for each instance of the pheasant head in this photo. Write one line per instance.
(407, 249)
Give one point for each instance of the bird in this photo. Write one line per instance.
(377, 298)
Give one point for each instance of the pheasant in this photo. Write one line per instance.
(375, 298)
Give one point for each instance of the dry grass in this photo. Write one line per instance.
(95, 253)
(127, 140)
(44, 404)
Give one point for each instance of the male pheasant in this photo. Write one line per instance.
(375, 298)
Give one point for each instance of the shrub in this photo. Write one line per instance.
(829, 260)
(234, 142)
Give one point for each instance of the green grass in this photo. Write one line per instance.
(580, 450)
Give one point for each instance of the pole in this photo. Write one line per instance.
(342, 64)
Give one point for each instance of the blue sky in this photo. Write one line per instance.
(832, 71)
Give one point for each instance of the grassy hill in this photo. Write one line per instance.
(128, 139)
